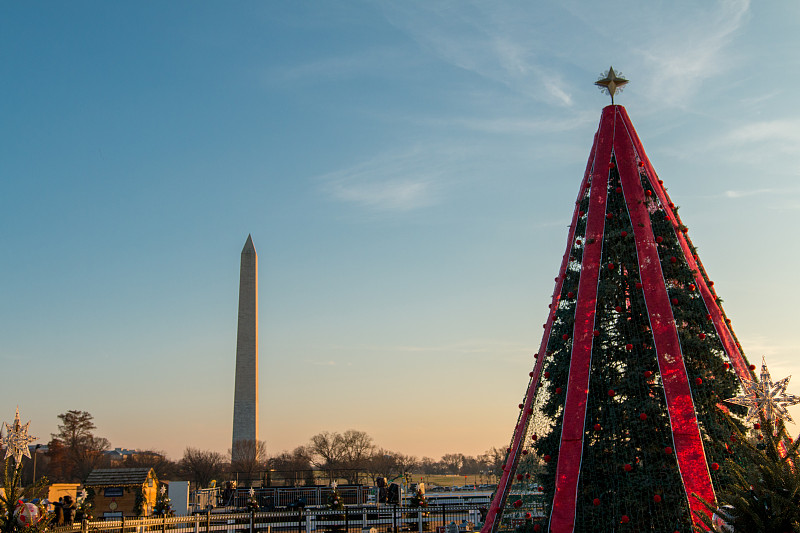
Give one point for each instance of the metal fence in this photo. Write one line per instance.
(270, 498)
(361, 519)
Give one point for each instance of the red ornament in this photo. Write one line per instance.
(674, 301)
(639, 285)
(760, 437)
(611, 266)
(596, 502)
(618, 309)
(547, 375)
(537, 527)
(596, 333)
(726, 365)
(609, 216)
(668, 450)
(570, 294)
(625, 519)
(752, 367)
(598, 427)
(541, 488)
(520, 406)
(628, 467)
(673, 259)
(611, 392)
(643, 417)
(624, 233)
(756, 426)
(518, 504)
(580, 214)
(648, 373)
(565, 336)
(629, 347)
(701, 336)
(708, 317)
(534, 437)
(641, 163)
(547, 458)
(710, 283)
(528, 517)
(698, 381)
(530, 374)
(618, 189)
(714, 466)
(578, 241)
(525, 452)
(648, 192)
(520, 477)
(659, 239)
(611, 165)
(657, 498)
(558, 390)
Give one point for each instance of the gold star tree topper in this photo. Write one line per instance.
(611, 83)
(17, 440)
(766, 397)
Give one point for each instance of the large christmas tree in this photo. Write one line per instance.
(622, 426)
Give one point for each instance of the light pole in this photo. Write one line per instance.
(35, 453)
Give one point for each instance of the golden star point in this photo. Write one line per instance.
(611, 83)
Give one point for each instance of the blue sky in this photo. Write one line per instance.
(407, 171)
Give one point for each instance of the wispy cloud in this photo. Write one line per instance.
(392, 182)
(743, 194)
(682, 56)
(495, 348)
(489, 40)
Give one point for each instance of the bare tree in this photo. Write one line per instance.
(248, 456)
(202, 466)
(326, 452)
(74, 451)
(158, 461)
(342, 455)
(292, 468)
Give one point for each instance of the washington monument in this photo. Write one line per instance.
(245, 396)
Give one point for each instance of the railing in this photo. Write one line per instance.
(361, 519)
(270, 498)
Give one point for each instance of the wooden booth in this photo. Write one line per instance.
(122, 492)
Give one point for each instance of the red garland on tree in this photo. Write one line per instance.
(637, 283)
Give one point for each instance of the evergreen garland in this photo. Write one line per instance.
(764, 490)
(13, 493)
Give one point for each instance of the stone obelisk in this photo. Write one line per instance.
(245, 398)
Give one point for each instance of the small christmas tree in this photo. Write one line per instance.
(763, 492)
(335, 503)
(419, 501)
(16, 513)
(163, 506)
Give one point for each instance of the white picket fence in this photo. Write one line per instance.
(386, 519)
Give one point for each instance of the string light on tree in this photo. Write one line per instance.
(17, 440)
(766, 397)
